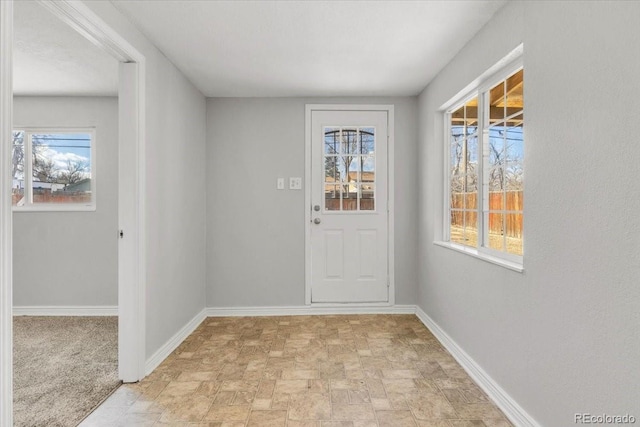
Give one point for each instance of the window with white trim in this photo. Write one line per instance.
(52, 169)
(485, 176)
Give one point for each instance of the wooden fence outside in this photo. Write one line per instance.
(55, 197)
(349, 204)
(513, 201)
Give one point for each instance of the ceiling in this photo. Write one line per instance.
(50, 58)
(259, 48)
(309, 48)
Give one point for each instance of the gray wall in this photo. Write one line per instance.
(175, 188)
(255, 233)
(563, 336)
(70, 258)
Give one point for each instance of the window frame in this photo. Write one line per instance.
(480, 89)
(29, 206)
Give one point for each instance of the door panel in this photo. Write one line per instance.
(334, 254)
(349, 230)
(367, 253)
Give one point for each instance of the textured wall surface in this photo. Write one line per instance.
(70, 258)
(175, 188)
(255, 233)
(562, 337)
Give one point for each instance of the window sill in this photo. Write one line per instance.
(488, 258)
(55, 208)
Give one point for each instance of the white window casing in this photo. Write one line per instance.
(480, 89)
(27, 203)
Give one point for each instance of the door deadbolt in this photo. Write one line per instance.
(316, 208)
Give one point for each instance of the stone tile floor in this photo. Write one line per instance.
(304, 371)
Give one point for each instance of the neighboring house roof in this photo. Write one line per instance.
(19, 183)
(84, 185)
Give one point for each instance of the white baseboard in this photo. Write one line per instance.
(306, 310)
(173, 343)
(516, 414)
(59, 310)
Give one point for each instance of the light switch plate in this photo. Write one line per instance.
(280, 184)
(295, 183)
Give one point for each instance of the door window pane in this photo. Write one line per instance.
(367, 197)
(352, 166)
(367, 141)
(368, 168)
(332, 197)
(349, 141)
(349, 168)
(367, 176)
(350, 197)
(331, 170)
(332, 140)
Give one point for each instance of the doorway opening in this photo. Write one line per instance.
(129, 227)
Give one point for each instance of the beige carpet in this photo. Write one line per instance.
(63, 368)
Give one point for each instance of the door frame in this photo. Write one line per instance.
(131, 179)
(131, 208)
(6, 223)
(309, 109)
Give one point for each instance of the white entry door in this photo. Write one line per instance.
(349, 207)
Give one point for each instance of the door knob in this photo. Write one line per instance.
(316, 221)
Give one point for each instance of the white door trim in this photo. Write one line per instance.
(6, 242)
(309, 109)
(131, 166)
(131, 220)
